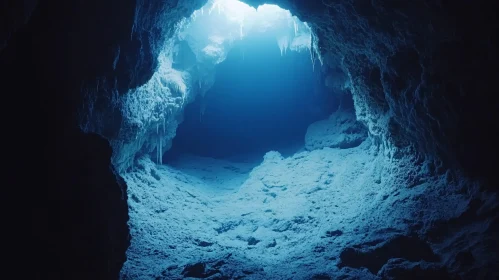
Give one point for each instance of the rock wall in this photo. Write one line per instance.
(418, 72)
(142, 91)
(340, 130)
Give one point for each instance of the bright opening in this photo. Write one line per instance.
(222, 22)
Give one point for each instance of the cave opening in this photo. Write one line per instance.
(261, 101)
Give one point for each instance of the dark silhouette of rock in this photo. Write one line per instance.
(409, 248)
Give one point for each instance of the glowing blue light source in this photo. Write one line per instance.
(212, 29)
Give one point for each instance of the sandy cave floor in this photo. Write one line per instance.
(283, 218)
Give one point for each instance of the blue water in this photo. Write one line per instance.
(260, 101)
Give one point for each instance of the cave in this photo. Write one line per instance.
(276, 139)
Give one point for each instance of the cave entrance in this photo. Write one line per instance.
(261, 101)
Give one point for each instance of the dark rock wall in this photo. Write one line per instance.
(88, 230)
(133, 34)
(14, 15)
(79, 211)
(47, 55)
(130, 62)
(422, 72)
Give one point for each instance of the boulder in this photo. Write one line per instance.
(341, 130)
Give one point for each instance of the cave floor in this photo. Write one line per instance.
(282, 218)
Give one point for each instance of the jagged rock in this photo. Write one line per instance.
(332, 233)
(253, 241)
(198, 270)
(409, 248)
(272, 244)
(340, 130)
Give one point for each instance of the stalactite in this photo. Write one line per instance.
(283, 43)
(312, 52)
(296, 27)
(160, 159)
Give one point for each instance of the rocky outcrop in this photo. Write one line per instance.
(340, 130)
(409, 248)
(143, 90)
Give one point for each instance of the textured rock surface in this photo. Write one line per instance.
(419, 71)
(340, 130)
(143, 90)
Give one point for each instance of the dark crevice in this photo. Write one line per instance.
(409, 248)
